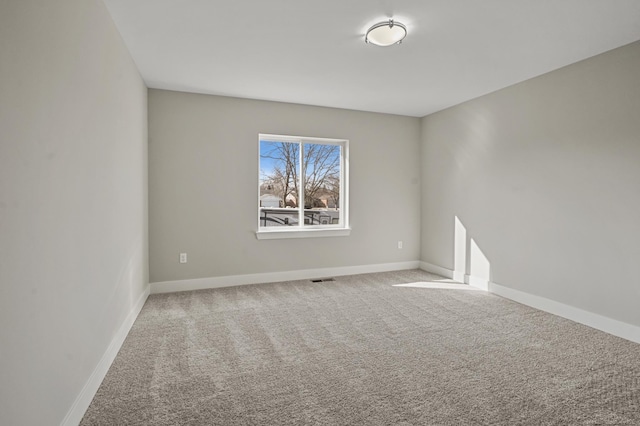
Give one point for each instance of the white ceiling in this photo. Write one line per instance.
(313, 52)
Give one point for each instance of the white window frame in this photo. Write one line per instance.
(301, 230)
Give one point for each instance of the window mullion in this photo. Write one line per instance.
(301, 184)
(341, 192)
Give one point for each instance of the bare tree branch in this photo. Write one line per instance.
(320, 171)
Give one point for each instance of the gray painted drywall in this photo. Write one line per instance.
(545, 177)
(203, 171)
(73, 211)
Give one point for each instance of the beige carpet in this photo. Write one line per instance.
(361, 351)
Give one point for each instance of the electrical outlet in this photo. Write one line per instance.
(399, 245)
(183, 257)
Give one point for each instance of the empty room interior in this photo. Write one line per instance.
(394, 212)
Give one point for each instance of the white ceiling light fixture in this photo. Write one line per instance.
(386, 33)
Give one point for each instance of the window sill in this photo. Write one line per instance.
(306, 233)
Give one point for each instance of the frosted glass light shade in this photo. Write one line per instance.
(386, 33)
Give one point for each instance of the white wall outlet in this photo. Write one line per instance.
(399, 245)
(183, 257)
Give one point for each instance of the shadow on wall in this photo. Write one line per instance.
(476, 270)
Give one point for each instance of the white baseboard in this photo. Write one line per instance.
(439, 270)
(477, 282)
(270, 277)
(460, 277)
(599, 322)
(82, 402)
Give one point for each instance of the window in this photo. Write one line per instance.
(302, 187)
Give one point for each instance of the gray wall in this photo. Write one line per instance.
(203, 172)
(73, 256)
(545, 177)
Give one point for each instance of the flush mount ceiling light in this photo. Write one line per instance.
(386, 33)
